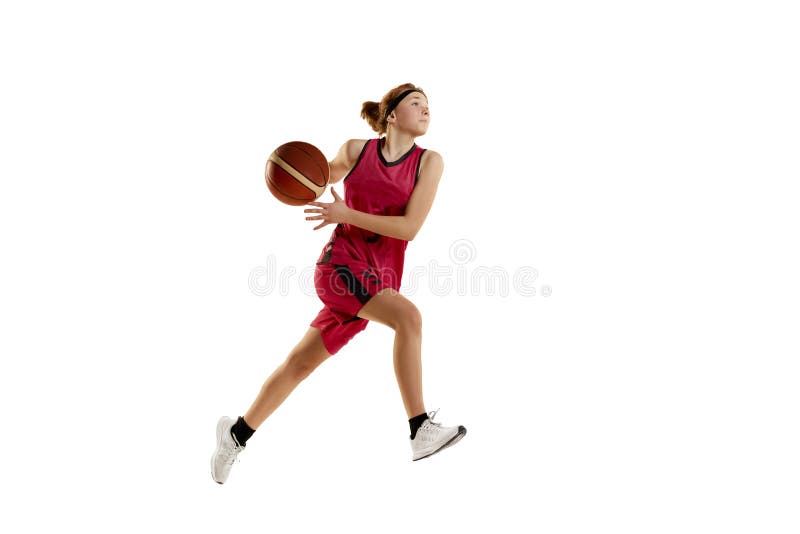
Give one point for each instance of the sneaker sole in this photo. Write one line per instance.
(455, 439)
(219, 444)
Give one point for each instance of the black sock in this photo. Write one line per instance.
(241, 431)
(416, 422)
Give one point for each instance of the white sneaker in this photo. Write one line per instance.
(227, 451)
(433, 437)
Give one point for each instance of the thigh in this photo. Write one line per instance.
(311, 347)
(336, 334)
(344, 289)
(389, 307)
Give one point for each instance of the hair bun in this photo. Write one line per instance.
(370, 112)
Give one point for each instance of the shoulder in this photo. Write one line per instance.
(347, 158)
(431, 160)
(429, 168)
(431, 155)
(354, 147)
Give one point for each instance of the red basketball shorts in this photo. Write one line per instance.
(343, 289)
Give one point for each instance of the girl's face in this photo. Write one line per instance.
(412, 114)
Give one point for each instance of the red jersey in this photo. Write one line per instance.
(378, 187)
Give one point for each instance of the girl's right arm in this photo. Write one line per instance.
(345, 159)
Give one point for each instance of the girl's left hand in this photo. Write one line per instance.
(329, 212)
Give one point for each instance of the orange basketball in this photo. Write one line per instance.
(297, 173)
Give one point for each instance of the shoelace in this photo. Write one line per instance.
(229, 455)
(431, 415)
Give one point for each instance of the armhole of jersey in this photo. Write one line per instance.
(419, 164)
(361, 155)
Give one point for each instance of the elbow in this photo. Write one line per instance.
(409, 228)
(411, 233)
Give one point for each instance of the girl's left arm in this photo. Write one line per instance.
(419, 205)
(403, 226)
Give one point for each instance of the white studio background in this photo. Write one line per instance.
(629, 162)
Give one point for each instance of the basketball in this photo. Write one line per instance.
(297, 173)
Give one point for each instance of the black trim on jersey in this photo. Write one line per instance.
(360, 155)
(419, 164)
(353, 285)
(355, 318)
(393, 163)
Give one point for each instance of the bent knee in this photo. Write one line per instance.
(393, 310)
(409, 319)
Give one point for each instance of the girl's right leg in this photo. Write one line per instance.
(301, 361)
(306, 356)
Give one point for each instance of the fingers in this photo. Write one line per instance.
(320, 211)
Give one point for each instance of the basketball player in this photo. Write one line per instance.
(389, 187)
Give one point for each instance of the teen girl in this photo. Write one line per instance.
(389, 187)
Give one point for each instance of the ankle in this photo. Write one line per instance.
(416, 422)
(241, 431)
